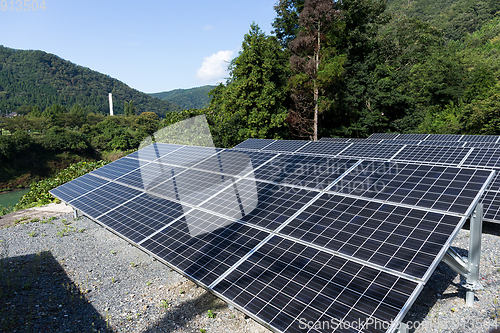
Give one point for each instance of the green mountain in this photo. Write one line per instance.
(455, 18)
(194, 98)
(29, 78)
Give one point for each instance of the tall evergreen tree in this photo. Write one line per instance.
(251, 103)
(315, 63)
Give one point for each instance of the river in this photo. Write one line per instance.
(12, 197)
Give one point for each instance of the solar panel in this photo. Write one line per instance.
(422, 154)
(323, 148)
(254, 144)
(433, 154)
(398, 238)
(414, 137)
(154, 151)
(287, 237)
(441, 143)
(484, 157)
(384, 136)
(286, 145)
(399, 142)
(302, 170)
(290, 286)
(491, 202)
(427, 186)
(482, 145)
(367, 150)
(78, 187)
(444, 137)
(480, 138)
(335, 139)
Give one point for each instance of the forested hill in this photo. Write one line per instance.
(455, 18)
(29, 78)
(194, 98)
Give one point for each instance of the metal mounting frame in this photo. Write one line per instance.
(469, 267)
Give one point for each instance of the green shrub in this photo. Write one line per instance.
(39, 195)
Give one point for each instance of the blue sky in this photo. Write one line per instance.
(150, 45)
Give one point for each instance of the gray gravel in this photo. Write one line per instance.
(74, 276)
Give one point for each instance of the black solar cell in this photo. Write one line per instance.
(286, 145)
(483, 157)
(433, 154)
(368, 150)
(289, 285)
(254, 144)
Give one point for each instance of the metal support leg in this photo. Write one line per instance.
(75, 213)
(476, 229)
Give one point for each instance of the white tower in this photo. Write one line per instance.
(110, 104)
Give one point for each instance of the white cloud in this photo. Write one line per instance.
(208, 27)
(215, 66)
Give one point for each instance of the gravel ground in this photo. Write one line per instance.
(70, 275)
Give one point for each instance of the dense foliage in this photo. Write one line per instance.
(417, 66)
(251, 103)
(39, 195)
(194, 98)
(29, 78)
(36, 145)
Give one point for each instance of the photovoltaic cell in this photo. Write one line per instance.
(433, 154)
(78, 187)
(149, 175)
(254, 144)
(367, 150)
(286, 145)
(302, 170)
(415, 137)
(480, 138)
(117, 168)
(495, 183)
(233, 163)
(205, 257)
(441, 143)
(141, 217)
(402, 239)
(334, 139)
(444, 137)
(284, 282)
(363, 140)
(383, 136)
(275, 204)
(484, 157)
(188, 156)
(434, 187)
(154, 151)
(331, 148)
(482, 145)
(103, 199)
(399, 142)
(491, 202)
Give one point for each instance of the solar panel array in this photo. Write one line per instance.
(475, 157)
(287, 238)
(438, 138)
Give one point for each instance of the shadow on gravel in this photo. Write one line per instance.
(183, 314)
(36, 295)
(433, 291)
